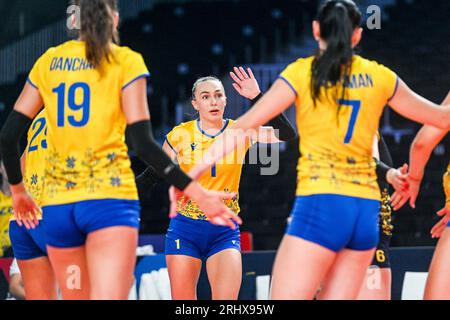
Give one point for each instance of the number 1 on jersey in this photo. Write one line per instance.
(355, 105)
(213, 171)
(84, 105)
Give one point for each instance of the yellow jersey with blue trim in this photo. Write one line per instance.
(35, 153)
(336, 134)
(6, 213)
(190, 142)
(87, 157)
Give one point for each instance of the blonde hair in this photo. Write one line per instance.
(201, 80)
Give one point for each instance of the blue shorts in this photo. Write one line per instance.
(27, 243)
(199, 238)
(336, 221)
(67, 225)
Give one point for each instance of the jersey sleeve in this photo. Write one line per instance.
(170, 139)
(389, 80)
(134, 68)
(292, 76)
(180, 137)
(36, 75)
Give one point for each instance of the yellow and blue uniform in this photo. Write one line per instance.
(338, 197)
(89, 183)
(189, 233)
(31, 243)
(6, 213)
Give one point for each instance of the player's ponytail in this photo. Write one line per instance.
(337, 21)
(97, 28)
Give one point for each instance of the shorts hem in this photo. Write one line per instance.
(220, 250)
(322, 244)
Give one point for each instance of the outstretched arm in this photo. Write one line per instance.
(277, 129)
(279, 97)
(424, 143)
(25, 109)
(414, 107)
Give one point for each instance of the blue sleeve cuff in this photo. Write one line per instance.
(145, 75)
(32, 84)
(167, 140)
(395, 90)
(289, 84)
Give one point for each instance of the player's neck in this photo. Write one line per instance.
(211, 126)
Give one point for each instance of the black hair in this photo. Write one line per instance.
(337, 20)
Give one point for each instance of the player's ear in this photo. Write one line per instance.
(316, 30)
(194, 104)
(74, 21)
(356, 36)
(116, 19)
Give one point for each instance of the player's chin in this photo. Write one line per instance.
(215, 115)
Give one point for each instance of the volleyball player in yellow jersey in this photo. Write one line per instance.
(92, 88)
(339, 98)
(438, 281)
(29, 245)
(190, 239)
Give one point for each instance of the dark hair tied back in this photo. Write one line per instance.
(97, 28)
(337, 19)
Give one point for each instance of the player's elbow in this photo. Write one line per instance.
(443, 120)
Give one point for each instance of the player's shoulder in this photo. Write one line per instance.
(367, 63)
(51, 52)
(62, 48)
(124, 52)
(302, 62)
(58, 51)
(185, 126)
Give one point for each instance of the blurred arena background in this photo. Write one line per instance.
(183, 40)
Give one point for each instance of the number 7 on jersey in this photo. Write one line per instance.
(355, 105)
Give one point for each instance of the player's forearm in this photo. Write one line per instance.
(284, 130)
(147, 180)
(224, 144)
(194, 191)
(423, 145)
(15, 126)
(382, 170)
(425, 141)
(146, 148)
(419, 155)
